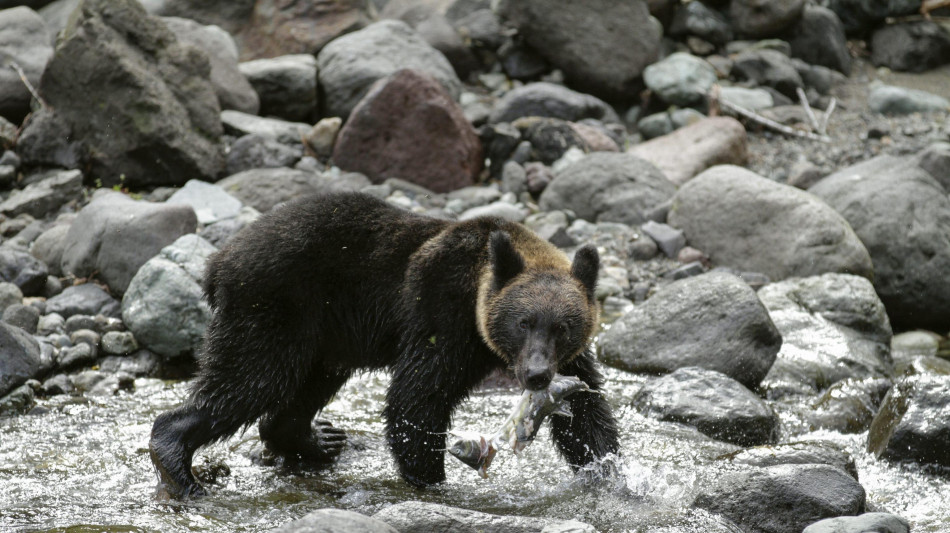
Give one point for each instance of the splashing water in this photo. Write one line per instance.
(82, 463)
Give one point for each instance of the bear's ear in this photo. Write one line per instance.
(585, 267)
(506, 262)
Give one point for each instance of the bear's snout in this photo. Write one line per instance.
(538, 371)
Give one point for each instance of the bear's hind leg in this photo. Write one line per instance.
(176, 436)
(289, 432)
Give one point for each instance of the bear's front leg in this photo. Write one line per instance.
(592, 432)
(422, 396)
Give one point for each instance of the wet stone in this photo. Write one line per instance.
(849, 405)
(329, 520)
(798, 453)
(783, 498)
(18, 401)
(913, 423)
(713, 403)
(834, 327)
(422, 516)
(20, 357)
(865, 523)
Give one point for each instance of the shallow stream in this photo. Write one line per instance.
(81, 464)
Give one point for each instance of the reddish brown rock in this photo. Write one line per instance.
(407, 126)
(692, 149)
(281, 27)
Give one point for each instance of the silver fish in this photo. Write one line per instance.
(474, 450)
(521, 426)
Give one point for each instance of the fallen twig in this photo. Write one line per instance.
(823, 127)
(767, 122)
(29, 86)
(808, 110)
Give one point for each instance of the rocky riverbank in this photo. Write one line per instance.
(767, 186)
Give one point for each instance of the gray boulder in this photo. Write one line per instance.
(913, 46)
(423, 517)
(769, 68)
(163, 307)
(230, 85)
(22, 316)
(543, 99)
(602, 46)
(783, 498)
(114, 235)
(680, 79)
(48, 247)
(333, 521)
(238, 124)
(833, 327)
(876, 522)
(19, 358)
(744, 221)
(714, 321)
(935, 159)
(350, 64)
(87, 299)
(712, 402)
(882, 199)
(257, 151)
(264, 188)
(700, 20)
(861, 16)
(210, 202)
(47, 140)
(912, 423)
(761, 19)
(44, 196)
(608, 187)
(24, 40)
(819, 39)
(117, 69)
(23, 270)
(286, 85)
(891, 100)
(10, 294)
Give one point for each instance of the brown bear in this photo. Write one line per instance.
(327, 285)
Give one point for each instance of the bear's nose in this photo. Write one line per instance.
(538, 378)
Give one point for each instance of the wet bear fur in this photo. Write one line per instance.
(328, 285)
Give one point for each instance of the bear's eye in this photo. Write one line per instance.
(561, 329)
(523, 325)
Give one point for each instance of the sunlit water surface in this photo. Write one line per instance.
(83, 466)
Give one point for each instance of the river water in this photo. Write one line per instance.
(81, 464)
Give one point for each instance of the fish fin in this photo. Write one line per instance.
(563, 409)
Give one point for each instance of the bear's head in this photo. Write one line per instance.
(537, 310)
